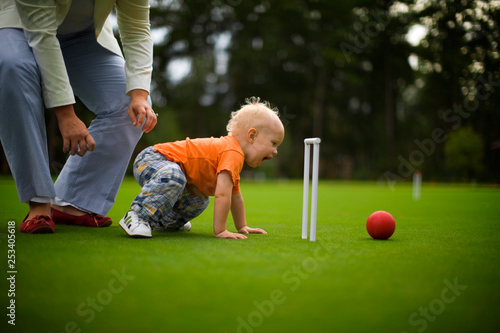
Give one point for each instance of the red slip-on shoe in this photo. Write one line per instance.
(40, 224)
(87, 220)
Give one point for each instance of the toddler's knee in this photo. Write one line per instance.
(205, 203)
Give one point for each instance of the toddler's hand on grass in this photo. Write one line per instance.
(229, 234)
(248, 230)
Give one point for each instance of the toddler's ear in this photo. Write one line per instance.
(251, 135)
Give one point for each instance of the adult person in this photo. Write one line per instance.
(50, 51)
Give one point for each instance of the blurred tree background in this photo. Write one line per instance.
(389, 86)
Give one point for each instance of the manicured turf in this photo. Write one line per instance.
(439, 272)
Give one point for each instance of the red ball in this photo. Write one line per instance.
(380, 225)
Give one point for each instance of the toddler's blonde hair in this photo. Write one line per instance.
(255, 113)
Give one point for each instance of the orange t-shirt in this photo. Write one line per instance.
(202, 160)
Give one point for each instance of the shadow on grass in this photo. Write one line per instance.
(109, 233)
(180, 234)
(369, 239)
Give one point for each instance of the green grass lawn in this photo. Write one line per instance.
(439, 272)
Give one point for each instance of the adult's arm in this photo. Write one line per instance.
(40, 20)
(135, 35)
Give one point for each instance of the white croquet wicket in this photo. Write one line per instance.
(314, 195)
(417, 185)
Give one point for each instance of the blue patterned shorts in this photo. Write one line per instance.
(165, 198)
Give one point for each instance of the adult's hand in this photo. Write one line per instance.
(140, 112)
(76, 138)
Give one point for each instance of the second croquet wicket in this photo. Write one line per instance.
(314, 195)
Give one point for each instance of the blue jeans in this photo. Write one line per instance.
(165, 196)
(97, 77)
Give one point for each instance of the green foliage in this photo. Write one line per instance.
(464, 153)
(335, 69)
(457, 69)
(339, 70)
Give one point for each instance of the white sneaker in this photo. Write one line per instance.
(134, 226)
(175, 227)
(185, 227)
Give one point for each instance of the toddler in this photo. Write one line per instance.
(177, 178)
